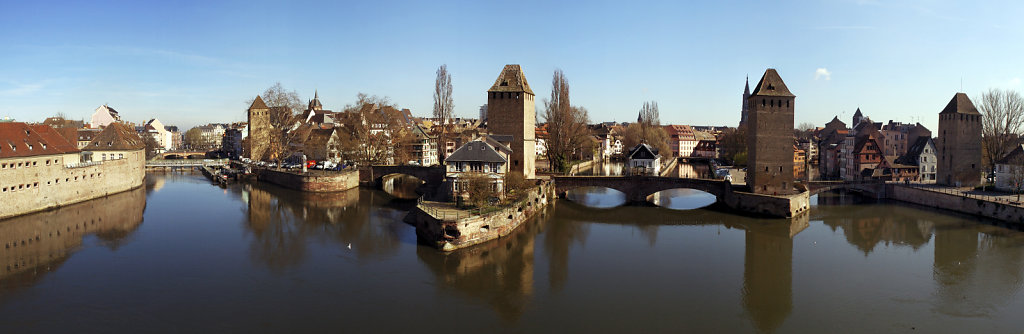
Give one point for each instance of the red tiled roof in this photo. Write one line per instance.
(22, 140)
(116, 136)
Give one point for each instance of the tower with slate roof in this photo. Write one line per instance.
(510, 112)
(959, 143)
(259, 129)
(770, 136)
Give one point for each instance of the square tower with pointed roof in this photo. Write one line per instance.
(259, 130)
(770, 136)
(510, 111)
(959, 143)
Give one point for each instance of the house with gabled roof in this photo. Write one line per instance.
(484, 157)
(1010, 170)
(922, 155)
(644, 159)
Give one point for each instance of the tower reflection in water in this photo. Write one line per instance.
(39, 243)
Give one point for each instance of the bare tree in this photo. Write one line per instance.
(804, 130)
(373, 131)
(1003, 115)
(478, 188)
(650, 117)
(648, 130)
(567, 125)
(151, 145)
(443, 107)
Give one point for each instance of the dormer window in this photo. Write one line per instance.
(504, 82)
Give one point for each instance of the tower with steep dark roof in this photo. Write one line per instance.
(510, 111)
(259, 130)
(746, 105)
(770, 136)
(959, 143)
(857, 118)
(315, 104)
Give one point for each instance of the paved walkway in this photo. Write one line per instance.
(444, 211)
(985, 195)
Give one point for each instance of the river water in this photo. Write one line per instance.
(182, 255)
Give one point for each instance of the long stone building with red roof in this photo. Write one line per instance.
(41, 169)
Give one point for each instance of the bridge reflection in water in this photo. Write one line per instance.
(676, 199)
(625, 269)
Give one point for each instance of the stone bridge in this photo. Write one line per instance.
(638, 188)
(374, 175)
(183, 155)
(869, 188)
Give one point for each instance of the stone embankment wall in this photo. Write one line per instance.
(47, 182)
(313, 181)
(768, 205)
(451, 233)
(1009, 213)
(669, 166)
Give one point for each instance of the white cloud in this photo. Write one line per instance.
(1015, 82)
(822, 73)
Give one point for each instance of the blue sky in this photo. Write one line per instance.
(193, 62)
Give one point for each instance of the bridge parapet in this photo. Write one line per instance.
(638, 188)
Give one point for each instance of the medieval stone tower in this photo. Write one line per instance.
(510, 112)
(259, 130)
(770, 136)
(959, 143)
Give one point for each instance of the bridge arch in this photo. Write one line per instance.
(639, 188)
(401, 185)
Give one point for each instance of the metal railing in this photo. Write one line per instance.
(1008, 198)
(186, 162)
(83, 164)
(455, 214)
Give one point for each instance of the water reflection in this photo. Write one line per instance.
(499, 273)
(401, 186)
(683, 199)
(768, 271)
(604, 168)
(37, 244)
(629, 268)
(976, 274)
(694, 170)
(596, 197)
(284, 222)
